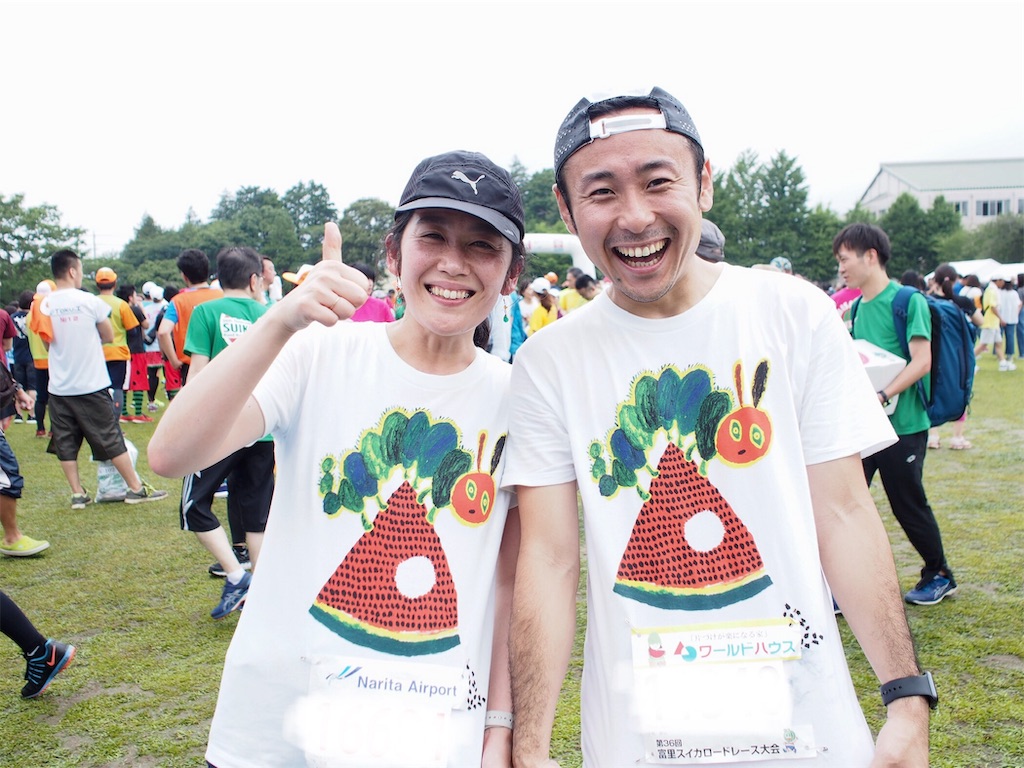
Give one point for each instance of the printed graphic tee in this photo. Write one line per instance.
(710, 631)
(76, 359)
(366, 636)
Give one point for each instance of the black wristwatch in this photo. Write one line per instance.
(920, 685)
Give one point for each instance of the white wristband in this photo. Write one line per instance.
(496, 719)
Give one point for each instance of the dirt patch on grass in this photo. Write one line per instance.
(1004, 661)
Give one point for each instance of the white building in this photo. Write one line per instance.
(978, 189)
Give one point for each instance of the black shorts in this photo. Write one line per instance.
(74, 417)
(11, 481)
(25, 374)
(250, 475)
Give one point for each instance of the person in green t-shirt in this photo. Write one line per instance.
(863, 251)
(249, 471)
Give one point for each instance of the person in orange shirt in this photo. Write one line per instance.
(116, 352)
(40, 354)
(195, 271)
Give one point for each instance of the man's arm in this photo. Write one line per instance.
(106, 330)
(198, 363)
(215, 414)
(919, 366)
(498, 740)
(858, 563)
(163, 337)
(543, 615)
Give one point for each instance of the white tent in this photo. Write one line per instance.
(982, 268)
(1011, 270)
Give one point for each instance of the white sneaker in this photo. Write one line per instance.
(1010, 366)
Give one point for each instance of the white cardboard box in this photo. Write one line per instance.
(882, 367)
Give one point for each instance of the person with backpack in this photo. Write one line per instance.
(942, 285)
(863, 250)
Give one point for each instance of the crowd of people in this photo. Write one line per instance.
(413, 502)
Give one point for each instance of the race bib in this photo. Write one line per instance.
(718, 693)
(369, 712)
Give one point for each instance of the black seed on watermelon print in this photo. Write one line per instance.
(363, 595)
(660, 567)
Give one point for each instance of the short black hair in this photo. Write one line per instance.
(62, 260)
(366, 269)
(862, 237)
(584, 281)
(195, 265)
(236, 264)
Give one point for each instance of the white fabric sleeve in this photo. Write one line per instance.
(539, 452)
(839, 411)
(283, 386)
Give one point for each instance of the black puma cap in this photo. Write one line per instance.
(467, 182)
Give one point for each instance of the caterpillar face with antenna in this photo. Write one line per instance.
(744, 435)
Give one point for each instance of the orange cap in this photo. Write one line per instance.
(106, 275)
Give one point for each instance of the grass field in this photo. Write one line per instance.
(127, 587)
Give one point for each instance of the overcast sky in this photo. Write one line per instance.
(115, 110)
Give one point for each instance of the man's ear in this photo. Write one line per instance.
(563, 210)
(707, 187)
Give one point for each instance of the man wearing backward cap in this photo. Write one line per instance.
(711, 420)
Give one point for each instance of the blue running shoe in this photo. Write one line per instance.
(232, 597)
(42, 668)
(931, 591)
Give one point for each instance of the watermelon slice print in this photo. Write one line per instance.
(393, 591)
(688, 549)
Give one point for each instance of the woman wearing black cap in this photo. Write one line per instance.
(385, 574)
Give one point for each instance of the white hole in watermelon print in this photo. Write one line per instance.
(415, 576)
(704, 531)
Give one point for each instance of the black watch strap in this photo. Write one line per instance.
(919, 685)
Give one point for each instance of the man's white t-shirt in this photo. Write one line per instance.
(710, 631)
(366, 635)
(77, 366)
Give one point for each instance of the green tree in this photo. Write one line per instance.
(912, 244)
(540, 205)
(956, 246)
(231, 205)
(268, 229)
(943, 220)
(817, 261)
(737, 209)
(152, 244)
(363, 226)
(1001, 239)
(28, 235)
(859, 214)
(539, 264)
(781, 214)
(310, 207)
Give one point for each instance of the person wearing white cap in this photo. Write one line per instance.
(708, 421)
(992, 323)
(547, 310)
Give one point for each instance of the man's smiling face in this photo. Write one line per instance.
(637, 210)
